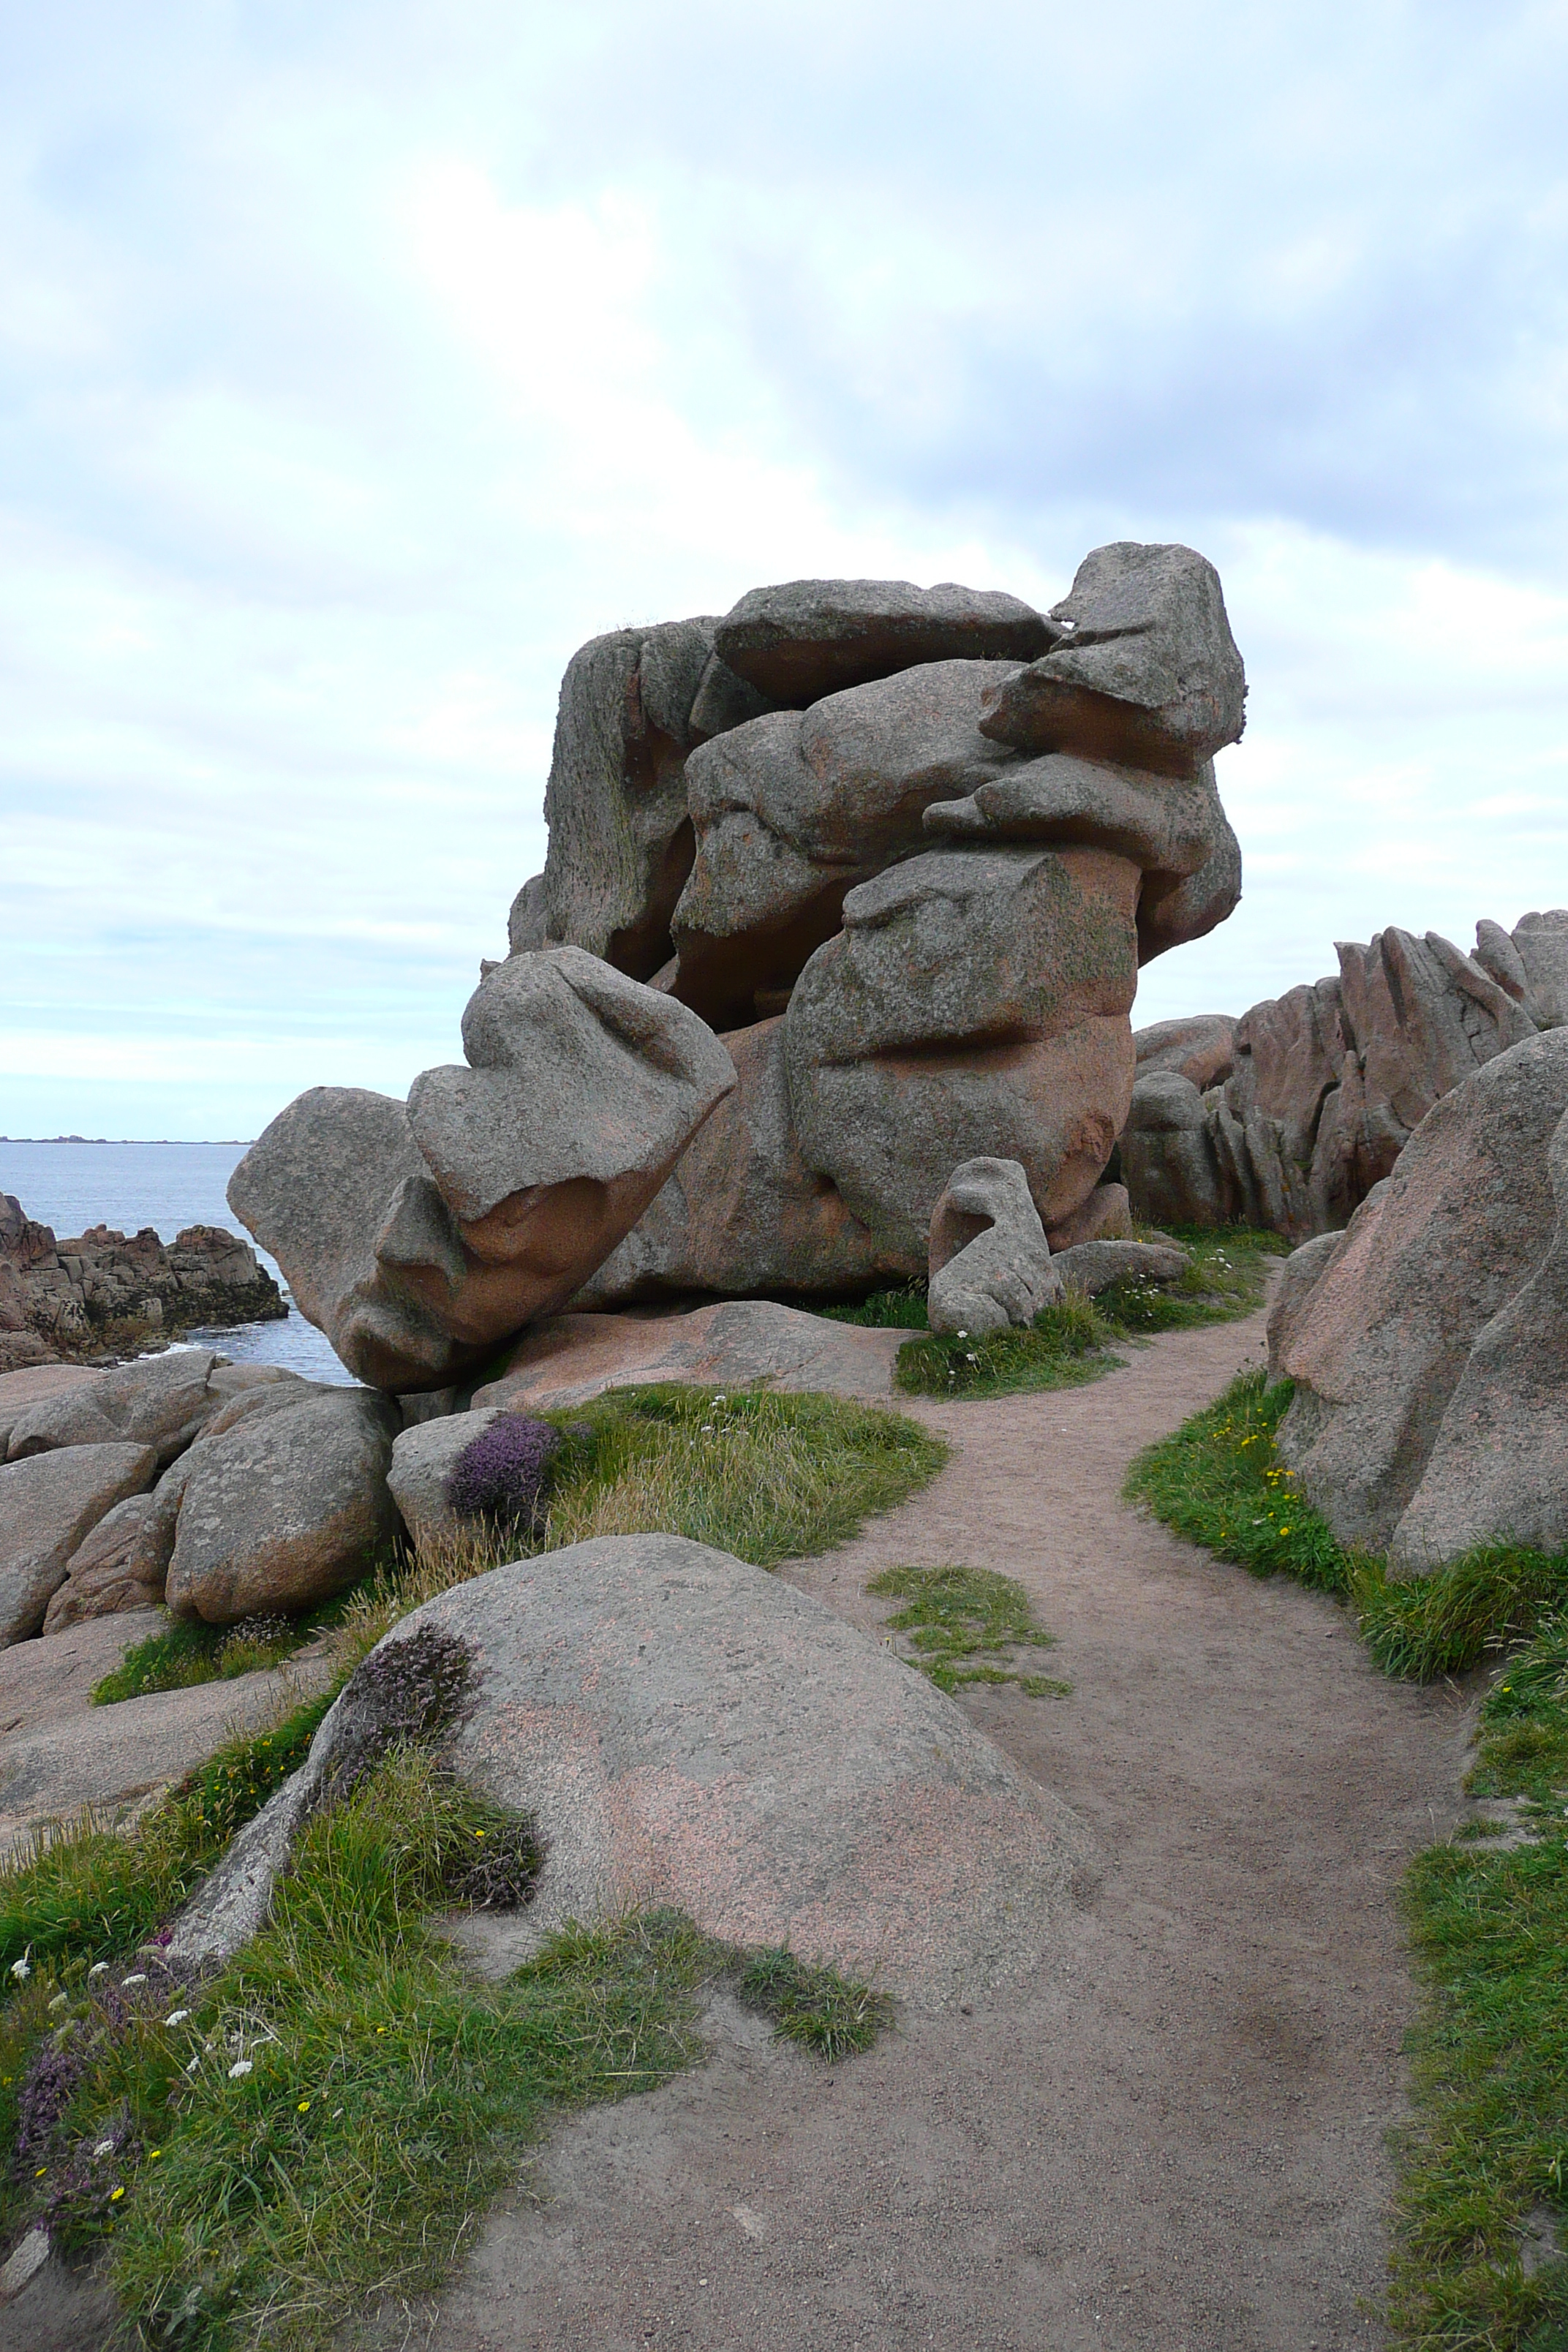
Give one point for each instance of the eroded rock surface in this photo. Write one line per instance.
(418, 1236)
(684, 1729)
(48, 1505)
(991, 1265)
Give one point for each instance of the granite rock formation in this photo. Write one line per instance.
(662, 1712)
(1431, 1385)
(419, 1235)
(1328, 1082)
(912, 892)
(990, 1262)
(100, 1291)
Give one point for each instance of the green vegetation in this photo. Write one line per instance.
(961, 1622)
(95, 1892)
(188, 1652)
(1075, 1341)
(322, 2121)
(765, 1477)
(903, 1309)
(1482, 2204)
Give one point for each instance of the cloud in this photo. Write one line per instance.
(360, 361)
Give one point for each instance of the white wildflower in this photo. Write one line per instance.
(193, 2065)
(23, 1968)
(176, 2017)
(99, 1968)
(104, 2147)
(60, 2001)
(964, 1335)
(240, 2066)
(125, 1982)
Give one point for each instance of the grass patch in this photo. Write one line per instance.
(903, 1309)
(1076, 1341)
(316, 2129)
(187, 1652)
(1482, 2168)
(963, 1623)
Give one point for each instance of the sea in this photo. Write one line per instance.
(72, 1185)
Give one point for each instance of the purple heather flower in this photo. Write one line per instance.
(502, 1474)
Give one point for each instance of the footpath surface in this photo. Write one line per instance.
(1171, 2139)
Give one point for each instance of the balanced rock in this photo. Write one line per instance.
(973, 1006)
(686, 1729)
(1145, 670)
(418, 1237)
(1201, 1049)
(990, 1262)
(48, 1505)
(795, 809)
(807, 638)
(740, 1210)
(285, 1507)
(1464, 1221)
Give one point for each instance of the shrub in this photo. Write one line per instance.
(502, 1475)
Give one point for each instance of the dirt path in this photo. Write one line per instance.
(1172, 2135)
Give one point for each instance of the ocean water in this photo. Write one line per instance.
(167, 1186)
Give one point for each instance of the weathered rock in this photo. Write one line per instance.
(991, 1265)
(806, 638)
(1146, 673)
(26, 1387)
(25, 1352)
(1105, 1216)
(573, 1358)
(417, 1239)
(101, 1290)
(795, 809)
(1299, 1279)
(1173, 829)
(633, 704)
(686, 1729)
(1328, 1085)
(423, 1459)
(162, 1402)
(284, 1508)
(48, 1505)
(1540, 943)
(1201, 1049)
(975, 998)
(1466, 1220)
(1093, 1266)
(97, 1581)
(742, 1211)
(1498, 1465)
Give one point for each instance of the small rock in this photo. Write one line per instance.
(991, 1265)
(47, 1507)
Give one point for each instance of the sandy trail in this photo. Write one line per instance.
(1172, 2135)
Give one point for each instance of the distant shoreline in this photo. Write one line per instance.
(173, 1142)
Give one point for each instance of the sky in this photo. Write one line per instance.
(358, 362)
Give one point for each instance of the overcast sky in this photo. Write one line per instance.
(359, 360)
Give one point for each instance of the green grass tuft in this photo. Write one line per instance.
(962, 1620)
(317, 2129)
(903, 1309)
(186, 1652)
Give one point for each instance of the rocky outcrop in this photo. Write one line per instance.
(1201, 1049)
(417, 1237)
(1329, 1082)
(1411, 1346)
(101, 1291)
(683, 1728)
(284, 1506)
(990, 1262)
(48, 1505)
(937, 860)
(808, 638)
(573, 1358)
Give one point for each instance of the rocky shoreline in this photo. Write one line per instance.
(103, 1295)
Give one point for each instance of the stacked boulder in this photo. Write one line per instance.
(62, 1299)
(905, 849)
(1428, 1343)
(1321, 1089)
